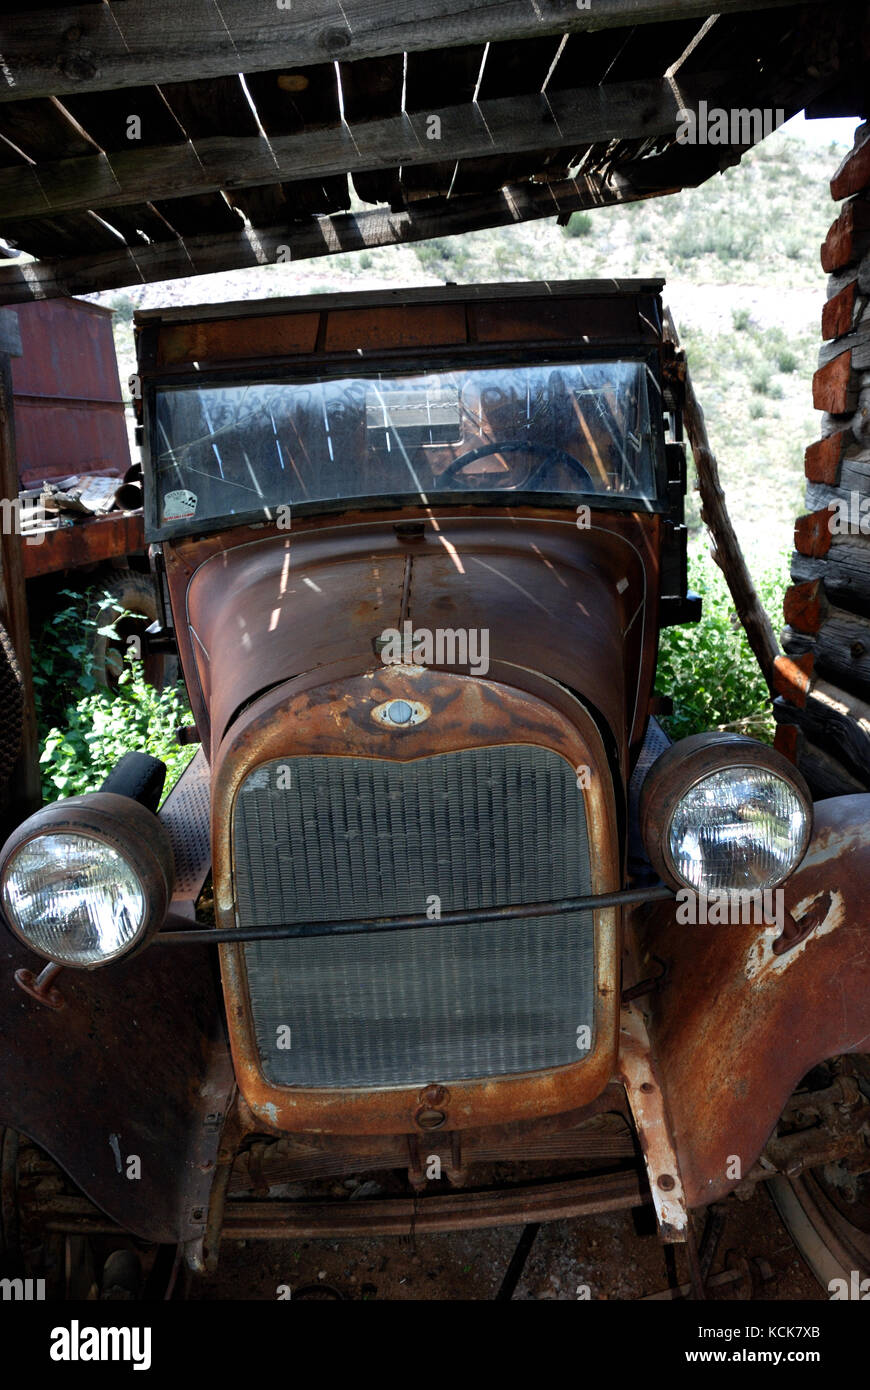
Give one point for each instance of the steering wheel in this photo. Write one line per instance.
(514, 446)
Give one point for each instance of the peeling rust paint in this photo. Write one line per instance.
(643, 1088)
(762, 961)
(734, 1032)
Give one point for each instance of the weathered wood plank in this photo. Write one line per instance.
(805, 606)
(218, 106)
(42, 129)
(106, 116)
(860, 422)
(848, 237)
(835, 537)
(840, 649)
(848, 502)
(427, 77)
(372, 90)
(138, 224)
(845, 570)
(322, 236)
(841, 311)
(91, 47)
(65, 234)
(288, 102)
(856, 342)
(793, 674)
(842, 278)
(825, 774)
(500, 126)
(836, 723)
(190, 216)
(855, 471)
(834, 387)
(823, 458)
(853, 175)
(511, 70)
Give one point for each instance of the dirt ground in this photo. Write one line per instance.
(615, 1257)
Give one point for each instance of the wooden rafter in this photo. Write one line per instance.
(471, 129)
(321, 236)
(97, 47)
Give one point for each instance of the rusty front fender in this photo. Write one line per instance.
(735, 1027)
(134, 1063)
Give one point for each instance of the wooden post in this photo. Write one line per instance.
(714, 514)
(21, 794)
(726, 547)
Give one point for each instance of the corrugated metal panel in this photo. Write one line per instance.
(69, 415)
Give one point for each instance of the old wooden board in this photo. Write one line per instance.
(95, 47)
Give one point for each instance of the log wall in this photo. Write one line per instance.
(823, 682)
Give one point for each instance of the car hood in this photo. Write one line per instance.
(574, 605)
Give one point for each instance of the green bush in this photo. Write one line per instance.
(787, 361)
(578, 224)
(741, 318)
(123, 307)
(708, 668)
(86, 729)
(446, 257)
(726, 238)
(61, 658)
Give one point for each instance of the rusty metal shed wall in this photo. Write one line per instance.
(69, 415)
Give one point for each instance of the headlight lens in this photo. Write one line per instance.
(87, 879)
(73, 898)
(720, 812)
(743, 827)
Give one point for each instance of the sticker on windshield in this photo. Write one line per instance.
(179, 504)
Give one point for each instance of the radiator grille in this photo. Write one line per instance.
(319, 838)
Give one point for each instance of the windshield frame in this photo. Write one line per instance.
(401, 365)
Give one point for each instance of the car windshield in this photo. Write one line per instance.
(575, 429)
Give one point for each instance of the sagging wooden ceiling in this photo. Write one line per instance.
(142, 140)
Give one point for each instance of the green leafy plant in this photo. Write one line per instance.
(578, 224)
(708, 668)
(86, 729)
(61, 658)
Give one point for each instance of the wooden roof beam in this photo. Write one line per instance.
(322, 236)
(98, 47)
(469, 130)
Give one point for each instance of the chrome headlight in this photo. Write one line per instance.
(721, 813)
(87, 880)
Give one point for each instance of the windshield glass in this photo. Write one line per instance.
(581, 429)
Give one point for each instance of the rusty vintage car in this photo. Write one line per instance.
(467, 935)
